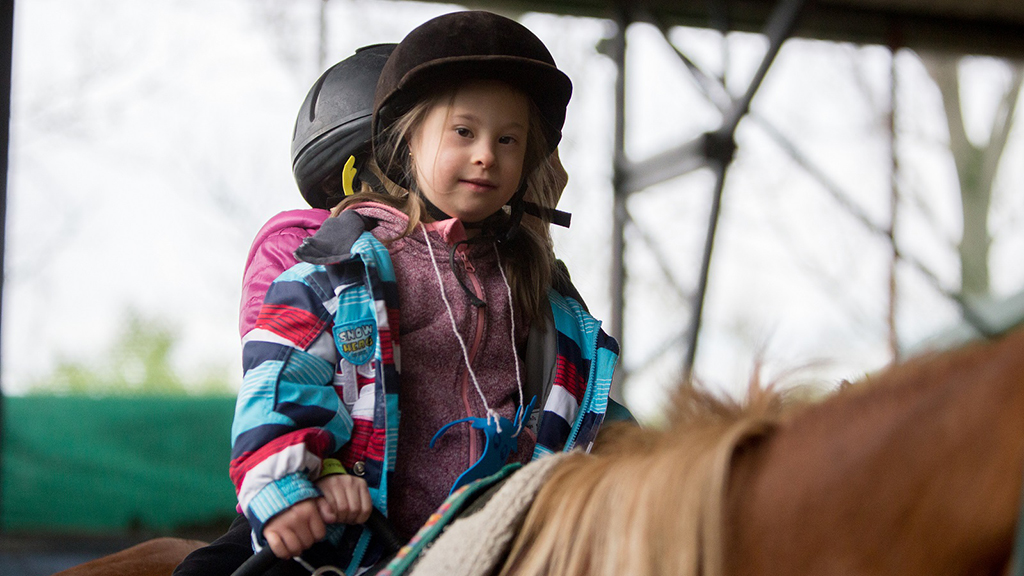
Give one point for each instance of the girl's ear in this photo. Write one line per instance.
(405, 148)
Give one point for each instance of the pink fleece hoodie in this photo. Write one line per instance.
(435, 384)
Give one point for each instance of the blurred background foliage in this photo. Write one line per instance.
(139, 362)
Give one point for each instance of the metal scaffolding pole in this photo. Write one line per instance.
(616, 49)
(714, 149)
(719, 152)
(7, 46)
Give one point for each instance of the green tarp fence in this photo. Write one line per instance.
(104, 465)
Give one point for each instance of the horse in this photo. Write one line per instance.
(915, 470)
(156, 557)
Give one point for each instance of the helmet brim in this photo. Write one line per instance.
(547, 86)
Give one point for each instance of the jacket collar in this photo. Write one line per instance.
(333, 242)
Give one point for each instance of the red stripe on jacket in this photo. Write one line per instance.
(567, 376)
(356, 447)
(295, 324)
(315, 440)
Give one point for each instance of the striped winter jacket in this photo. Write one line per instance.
(330, 318)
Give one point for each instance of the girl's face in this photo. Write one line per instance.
(468, 152)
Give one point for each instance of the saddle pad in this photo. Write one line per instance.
(450, 545)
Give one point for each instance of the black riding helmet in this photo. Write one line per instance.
(333, 129)
(463, 46)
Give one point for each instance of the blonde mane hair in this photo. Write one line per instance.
(528, 258)
(645, 501)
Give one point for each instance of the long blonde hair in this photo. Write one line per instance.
(528, 257)
(646, 501)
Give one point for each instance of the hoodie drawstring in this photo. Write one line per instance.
(492, 415)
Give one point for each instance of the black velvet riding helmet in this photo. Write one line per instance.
(462, 46)
(332, 131)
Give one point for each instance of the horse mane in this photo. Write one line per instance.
(646, 501)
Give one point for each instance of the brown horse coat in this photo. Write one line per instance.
(156, 557)
(916, 471)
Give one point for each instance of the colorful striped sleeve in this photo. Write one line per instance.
(584, 362)
(288, 416)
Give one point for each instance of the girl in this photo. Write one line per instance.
(448, 270)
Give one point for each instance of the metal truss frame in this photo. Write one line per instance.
(713, 150)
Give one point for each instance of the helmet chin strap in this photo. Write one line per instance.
(497, 228)
(432, 209)
(501, 226)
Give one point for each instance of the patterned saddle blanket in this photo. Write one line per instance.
(471, 533)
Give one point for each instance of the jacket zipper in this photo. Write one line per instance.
(588, 396)
(481, 322)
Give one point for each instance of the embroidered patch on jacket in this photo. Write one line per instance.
(356, 341)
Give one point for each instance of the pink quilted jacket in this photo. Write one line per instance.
(272, 253)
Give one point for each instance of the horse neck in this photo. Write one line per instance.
(917, 471)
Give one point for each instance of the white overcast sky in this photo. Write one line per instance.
(150, 140)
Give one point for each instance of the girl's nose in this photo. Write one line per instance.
(484, 155)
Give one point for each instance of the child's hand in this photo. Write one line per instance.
(294, 530)
(346, 499)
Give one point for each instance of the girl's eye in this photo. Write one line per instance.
(464, 132)
(507, 140)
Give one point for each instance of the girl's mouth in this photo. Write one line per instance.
(479, 185)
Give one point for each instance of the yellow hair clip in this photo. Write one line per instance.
(348, 175)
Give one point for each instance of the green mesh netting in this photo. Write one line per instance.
(107, 464)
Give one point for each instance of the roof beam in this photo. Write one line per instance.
(994, 28)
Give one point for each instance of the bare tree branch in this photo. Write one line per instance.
(1002, 123)
(943, 70)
